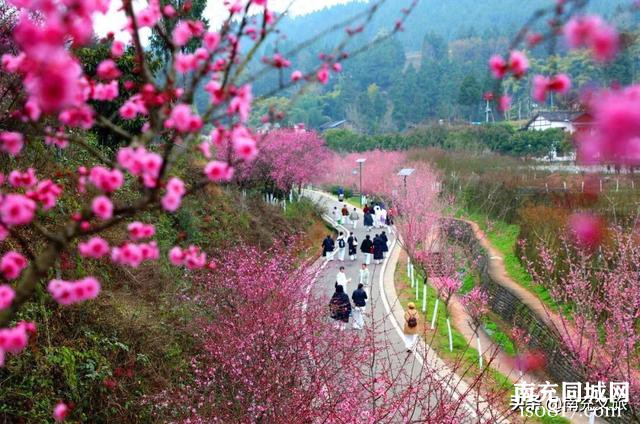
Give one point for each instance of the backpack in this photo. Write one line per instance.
(412, 322)
(341, 243)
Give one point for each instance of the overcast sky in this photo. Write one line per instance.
(215, 12)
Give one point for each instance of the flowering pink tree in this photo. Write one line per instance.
(597, 283)
(269, 355)
(378, 171)
(44, 214)
(288, 158)
(602, 289)
(476, 303)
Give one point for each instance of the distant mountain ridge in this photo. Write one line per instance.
(450, 19)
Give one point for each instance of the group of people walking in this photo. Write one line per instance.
(342, 306)
(376, 216)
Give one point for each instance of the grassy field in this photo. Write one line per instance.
(438, 338)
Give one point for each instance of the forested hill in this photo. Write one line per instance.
(450, 19)
(436, 69)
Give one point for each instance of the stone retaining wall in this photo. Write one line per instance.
(516, 313)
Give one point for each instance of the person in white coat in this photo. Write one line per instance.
(341, 279)
(335, 214)
(376, 216)
(365, 275)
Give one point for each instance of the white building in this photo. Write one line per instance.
(548, 120)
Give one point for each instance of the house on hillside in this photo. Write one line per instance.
(567, 121)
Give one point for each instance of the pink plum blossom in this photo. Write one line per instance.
(11, 142)
(7, 295)
(108, 70)
(95, 247)
(117, 49)
(16, 209)
(587, 229)
(60, 412)
(139, 231)
(12, 264)
(218, 171)
(593, 32)
(70, 292)
(102, 207)
(23, 179)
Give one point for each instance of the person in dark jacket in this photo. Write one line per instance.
(359, 298)
(368, 220)
(385, 246)
(378, 249)
(367, 248)
(352, 243)
(327, 248)
(340, 307)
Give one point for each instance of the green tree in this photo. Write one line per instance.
(470, 95)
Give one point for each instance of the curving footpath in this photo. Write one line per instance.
(384, 310)
(501, 361)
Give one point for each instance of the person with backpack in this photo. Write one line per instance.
(327, 248)
(410, 330)
(359, 298)
(367, 248)
(342, 247)
(352, 244)
(340, 307)
(354, 217)
(340, 194)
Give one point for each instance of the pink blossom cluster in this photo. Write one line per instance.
(11, 142)
(7, 294)
(542, 85)
(95, 247)
(518, 64)
(16, 210)
(615, 135)
(476, 302)
(192, 257)
(133, 254)
(47, 193)
(140, 231)
(24, 179)
(105, 92)
(588, 229)
(12, 264)
(15, 339)
(141, 163)
(592, 32)
(70, 292)
(107, 180)
(173, 197)
(183, 120)
(288, 158)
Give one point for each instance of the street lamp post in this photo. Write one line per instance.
(405, 172)
(361, 161)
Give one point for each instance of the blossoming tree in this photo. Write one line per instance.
(44, 213)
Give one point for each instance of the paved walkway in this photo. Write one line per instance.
(384, 310)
